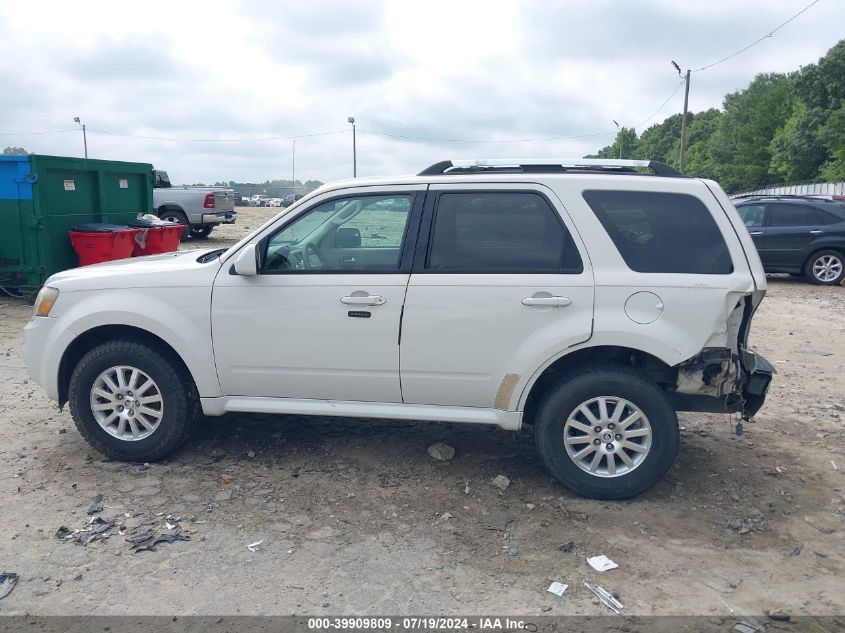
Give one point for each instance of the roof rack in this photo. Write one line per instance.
(779, 196)
(551, 165)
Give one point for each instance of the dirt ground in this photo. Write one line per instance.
(355, 517)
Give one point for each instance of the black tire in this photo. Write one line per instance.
(837, 258)
(201, 232)
(181, 409)
(578, 387)
(172, 215)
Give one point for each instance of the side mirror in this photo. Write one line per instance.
(246, 263)
(347, 237)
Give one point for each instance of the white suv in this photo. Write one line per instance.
(587, 298)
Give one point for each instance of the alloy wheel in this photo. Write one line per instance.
(126, 403)
(607, 436)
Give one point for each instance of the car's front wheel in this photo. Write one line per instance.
(606, 432)
(131, 402)
(826, 268)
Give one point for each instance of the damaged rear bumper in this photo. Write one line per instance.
(747, 392)
(758, 376)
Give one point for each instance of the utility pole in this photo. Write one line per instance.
(293, 167)
(354, 150)
(684, 119)
(621, 137)
(84, 135)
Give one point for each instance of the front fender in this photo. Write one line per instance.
(179, 316)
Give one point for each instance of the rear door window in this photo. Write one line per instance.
(662, 232)
(499, 232)
(791, 215)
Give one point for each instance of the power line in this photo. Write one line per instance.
(479, 140)
(757, 41)
(218, 140)
(663, 105)
(35, 133)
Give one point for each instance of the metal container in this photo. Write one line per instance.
(43, 197)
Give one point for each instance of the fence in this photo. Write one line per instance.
(806, 189)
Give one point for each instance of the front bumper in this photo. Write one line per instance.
(758, 373)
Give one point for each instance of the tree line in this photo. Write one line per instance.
(782, 128)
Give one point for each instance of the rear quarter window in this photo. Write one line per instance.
(662, 232)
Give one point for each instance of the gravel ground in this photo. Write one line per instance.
(354, 516)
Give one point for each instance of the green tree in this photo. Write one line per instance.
(15, 151)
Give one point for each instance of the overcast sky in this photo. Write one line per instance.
(435, 69)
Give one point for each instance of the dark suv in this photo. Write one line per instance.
(799, 235)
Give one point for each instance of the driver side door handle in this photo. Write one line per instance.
(363, 300)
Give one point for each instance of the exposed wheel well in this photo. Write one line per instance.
(836, 248)
(170, 207)
(643, 362)
(86, 341)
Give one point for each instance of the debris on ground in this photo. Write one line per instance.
(744, 524)
(96, 529)
(8, 580)
(749, 625)
(151, 543)
(498, 520)
(511, 545)
(606, 597)
(441, 452)
(721, 585)
(557, 588)
(778, 616)
(96, 504)
(567, 547)
(601, 563)
(501, 482)
(253, 547)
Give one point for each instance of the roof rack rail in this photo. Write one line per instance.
(551, 165)
(778, 196)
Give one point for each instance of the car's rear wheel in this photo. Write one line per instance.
(131, 402)
(172, 215)
(825, 267)
(606, 432)
(201, 232)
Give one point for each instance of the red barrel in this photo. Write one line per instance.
(156, 238)
(96, 243)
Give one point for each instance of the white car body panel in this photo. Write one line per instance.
(296, 341)
(463, 333)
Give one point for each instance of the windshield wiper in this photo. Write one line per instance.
(207, 257)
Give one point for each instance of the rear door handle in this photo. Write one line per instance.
(556, 302)
(756, 232)
(816, 232)
(363, 300)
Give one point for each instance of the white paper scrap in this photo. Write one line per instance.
(601, 563)
(558, 588)
(253, 547)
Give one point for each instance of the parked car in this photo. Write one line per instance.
(584, 297)
(274, 202)
(258, 200)
(239, 200)
(800, 235)
(291, 198)
(200, 209)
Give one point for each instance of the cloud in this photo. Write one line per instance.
(465, 71)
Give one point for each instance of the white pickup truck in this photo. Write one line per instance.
(198, 208)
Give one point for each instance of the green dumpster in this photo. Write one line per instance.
(42, 197)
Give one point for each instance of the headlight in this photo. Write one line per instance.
(45, 301)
